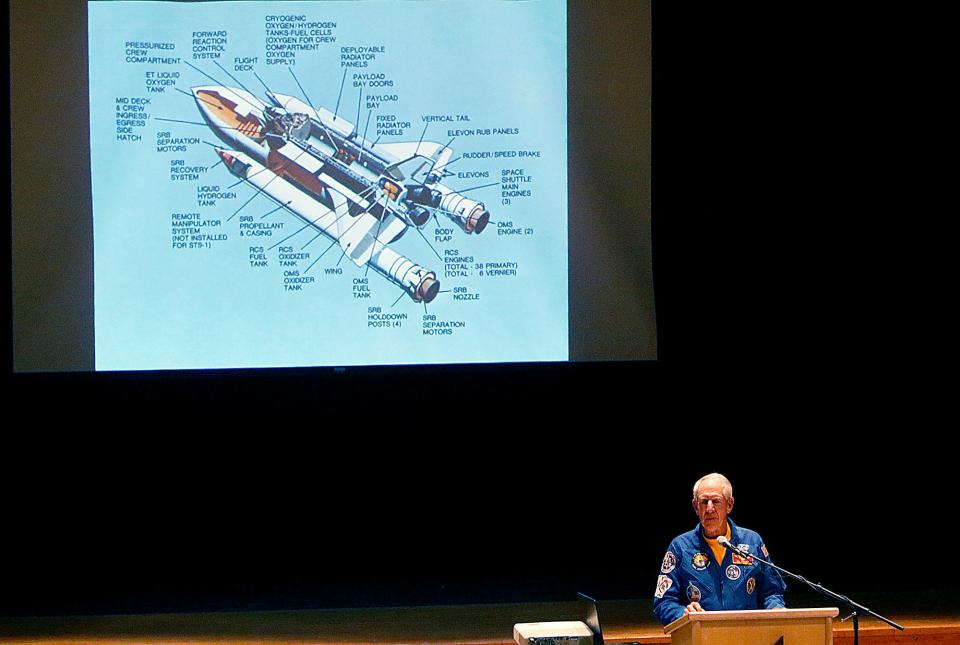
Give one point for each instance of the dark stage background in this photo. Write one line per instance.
(158, 528)
(782, 363)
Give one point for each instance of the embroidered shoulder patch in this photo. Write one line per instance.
(739, 559)
(693, 593)
(751, 585)
(663, 583)
(700, 561)
(669, 563)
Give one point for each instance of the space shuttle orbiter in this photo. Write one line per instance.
(316, 165)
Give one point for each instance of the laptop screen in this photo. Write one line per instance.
(591, 617)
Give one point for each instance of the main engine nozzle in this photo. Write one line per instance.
(470, 215)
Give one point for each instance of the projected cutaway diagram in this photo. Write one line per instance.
(332, 178)
(303, 183)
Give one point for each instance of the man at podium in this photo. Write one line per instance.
(699, 574)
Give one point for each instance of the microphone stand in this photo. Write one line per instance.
(855, 608)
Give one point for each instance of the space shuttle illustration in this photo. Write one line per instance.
(316, 165)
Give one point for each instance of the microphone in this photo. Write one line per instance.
(725, 543)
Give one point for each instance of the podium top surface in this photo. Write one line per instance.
(751, 614)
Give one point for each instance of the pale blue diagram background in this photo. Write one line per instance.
(501, 62)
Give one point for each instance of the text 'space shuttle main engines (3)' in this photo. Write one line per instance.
(315, 164)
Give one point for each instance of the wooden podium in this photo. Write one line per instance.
(754, 627)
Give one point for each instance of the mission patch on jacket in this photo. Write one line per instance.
(690, 574)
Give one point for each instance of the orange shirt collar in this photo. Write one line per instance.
(718, 551)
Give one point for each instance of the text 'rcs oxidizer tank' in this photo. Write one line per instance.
(316, 165)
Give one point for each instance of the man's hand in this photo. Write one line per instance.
(692, 607)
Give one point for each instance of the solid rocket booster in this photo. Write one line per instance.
(357, 235)
(362, 195)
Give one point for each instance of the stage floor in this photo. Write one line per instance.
(929, 617)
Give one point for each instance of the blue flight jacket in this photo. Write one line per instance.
(690, 574)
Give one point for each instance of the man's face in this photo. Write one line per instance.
(712, 508)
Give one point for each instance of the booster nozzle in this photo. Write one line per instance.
(427, 290)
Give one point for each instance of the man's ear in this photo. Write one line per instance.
(729, 506)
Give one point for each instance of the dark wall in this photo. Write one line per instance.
(207, 523)
(780, 365)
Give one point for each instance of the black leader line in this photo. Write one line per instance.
(219, 161)
(336, 110)
(295, 233)
(439, 210)
(215, 146)
(307, 270)
(366, 210)
(320, 229)
(359, 102)
(237, 81)
(349, 228)
(240, 181)
(203, 100)
(314, 224)
(317, 226)
(197, 98)
(262, 83)
(346, 203)
(264, 216)
(365, 128)
(467, 190)
(435, 210)
(309, 102)
(206, 125)
(426, 174)
(443, 168)
(376, 237)
(228, 151)
(428, 244)
(308, 224)
(422, 135)
(204, 73)
(375, 142)
(269, 181)
(320, 232)
(403, 292)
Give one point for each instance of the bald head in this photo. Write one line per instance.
(712, 502)
(716, 479)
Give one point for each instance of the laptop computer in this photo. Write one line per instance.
(591, 616)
